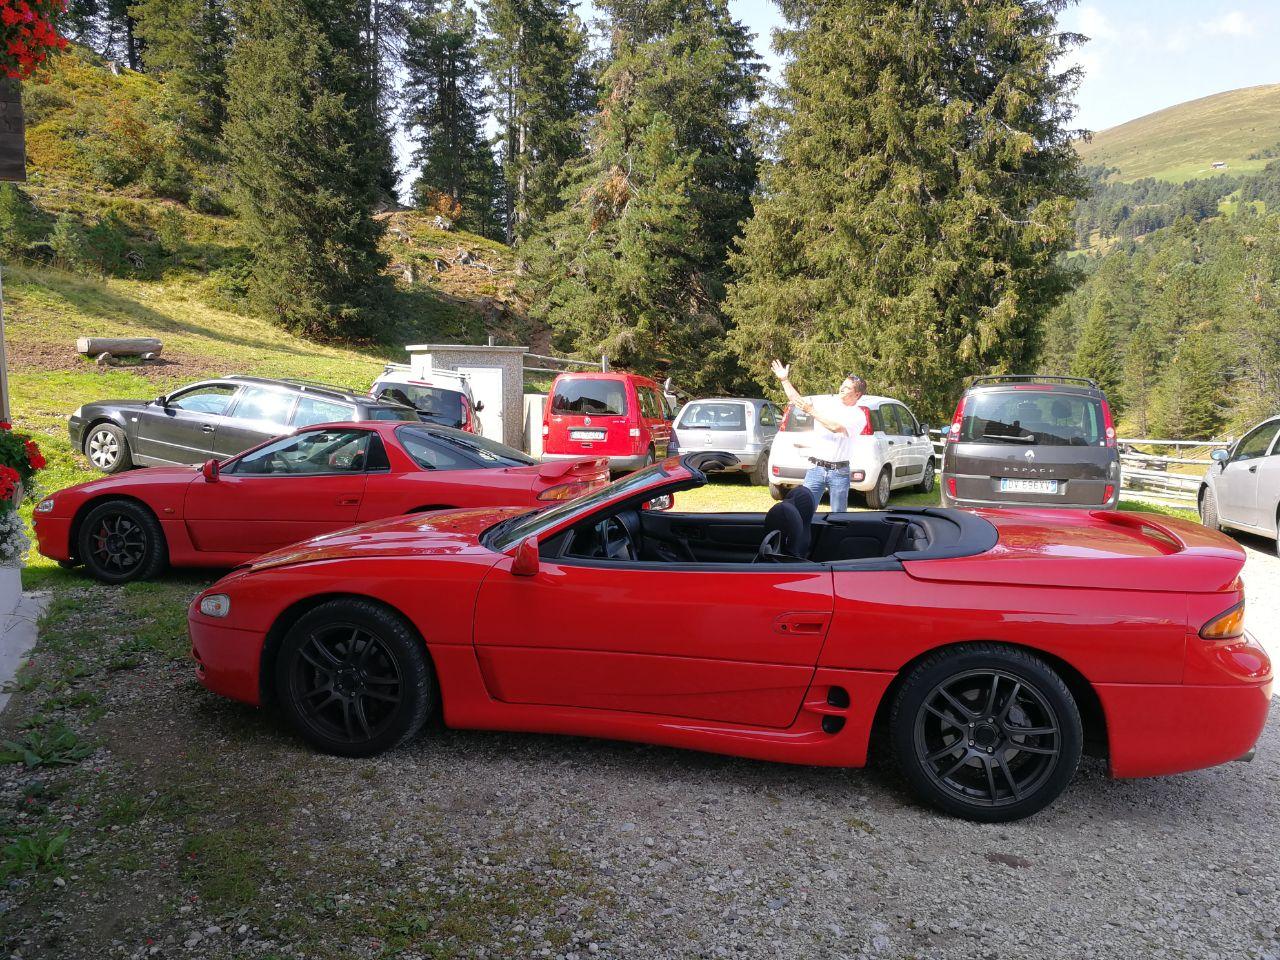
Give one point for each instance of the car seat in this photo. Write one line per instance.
(786, 528)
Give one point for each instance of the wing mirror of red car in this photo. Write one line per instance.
(210, 471)
(526, 561)
(664, 502)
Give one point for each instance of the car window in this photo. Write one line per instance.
(210, 399)
(443, 406)
(768, 416)
(592, 398)
(889, 419)
(315, 410)
(713, 416)
(910, 425)
(1256, 442)
(655, 404)
(261, 403)
(391, 413)
(1029, 417)
(878, 424)
(310, 453)
(446, 449)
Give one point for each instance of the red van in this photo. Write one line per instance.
(619, 415)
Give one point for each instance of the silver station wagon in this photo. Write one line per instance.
(744, 428)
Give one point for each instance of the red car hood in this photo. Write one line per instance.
(446, 532)
(133, 479)
(1101, 549)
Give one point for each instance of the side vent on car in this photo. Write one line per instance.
(838, 697)
(832, 724)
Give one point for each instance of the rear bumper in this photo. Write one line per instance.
(1159, 729)
(965, 503)
(75, 432)
(228, 660)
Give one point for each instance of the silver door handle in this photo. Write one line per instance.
(206, 429)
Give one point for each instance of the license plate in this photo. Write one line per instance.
(586, 434)
(1029, 486)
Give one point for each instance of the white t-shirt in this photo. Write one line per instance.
(837, 447)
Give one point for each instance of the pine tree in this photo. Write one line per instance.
(1189, 401)
(444, 90)
(535, 54)
(1096, 355)
(187, 42)
(1141, 373)
(913, 227)
(300, 122)
(634, 264)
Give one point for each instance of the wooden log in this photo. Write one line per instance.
(121, 346)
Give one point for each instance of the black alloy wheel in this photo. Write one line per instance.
(986, 732)
(121, 540)
(354, 678)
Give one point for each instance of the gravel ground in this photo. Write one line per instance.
(199, 828)
(1262, 591)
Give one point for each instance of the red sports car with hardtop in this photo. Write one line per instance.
(314, 481)
(991, 648)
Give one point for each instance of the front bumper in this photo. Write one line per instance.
(53, 536)
(75, 432)
(228, 659)
(1159, 729)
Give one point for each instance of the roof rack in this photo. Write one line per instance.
(317, 385)
(1032, 377)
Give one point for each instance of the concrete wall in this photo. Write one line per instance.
(451, 356)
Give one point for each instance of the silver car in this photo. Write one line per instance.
(744, 428)
(1242, 489)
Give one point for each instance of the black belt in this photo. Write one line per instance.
(827, 464)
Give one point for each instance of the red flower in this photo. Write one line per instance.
(34, 456)
(5, 425)
(9, 479)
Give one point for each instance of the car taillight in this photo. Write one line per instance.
(545, 429)
(1225, 626)
(776, 471)
(1108, 493)
(1108, 424)
(953, 435)
(786, 415)
(468, 422)
(951, 486)
(565, 491)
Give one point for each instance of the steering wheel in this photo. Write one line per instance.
(616, 540)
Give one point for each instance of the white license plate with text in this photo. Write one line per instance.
(1028, 486)
(586, 434)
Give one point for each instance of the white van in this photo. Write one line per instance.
(895, 455)
(441, 396)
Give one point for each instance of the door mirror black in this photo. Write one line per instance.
(210, 471)
(479, 406)
(924, 429)
(664, 502)
(161, 401)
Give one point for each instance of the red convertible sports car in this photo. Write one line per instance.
(989, 648)
(314, 481)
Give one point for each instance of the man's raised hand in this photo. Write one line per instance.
(780, 370)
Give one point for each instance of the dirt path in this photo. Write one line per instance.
(1262, 592)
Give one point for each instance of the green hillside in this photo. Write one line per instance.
(1240, 128)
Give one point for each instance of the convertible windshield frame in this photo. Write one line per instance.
(504, 535)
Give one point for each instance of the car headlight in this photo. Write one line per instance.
(45, 505)
(215, 605)
(76, 414)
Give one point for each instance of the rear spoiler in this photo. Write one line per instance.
(586, 467)
(1165, 534)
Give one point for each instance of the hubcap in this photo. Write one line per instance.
(103, 449)
(987, 737)
(346, 683)
(119, 544)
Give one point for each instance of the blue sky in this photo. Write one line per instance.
(1143, 55)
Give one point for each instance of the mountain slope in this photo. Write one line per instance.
(1184, 141)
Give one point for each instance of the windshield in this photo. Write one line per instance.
(713, 416)
(594, 398)
(447, 407)
(1025, 417)
(417, 443)
(505, 535)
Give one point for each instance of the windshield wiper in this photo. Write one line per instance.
(1001, 436)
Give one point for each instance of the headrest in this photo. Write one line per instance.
(787, 519)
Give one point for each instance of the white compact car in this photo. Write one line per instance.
(897, 454)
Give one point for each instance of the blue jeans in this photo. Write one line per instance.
(837, 481)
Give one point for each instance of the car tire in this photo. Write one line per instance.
(760, 475)
(777, 492)
(354, 678)
(107, 448)
(878, 496)
(926, 482)
(1209, 509)
(121, 540)
(954, 732)
(650, 458)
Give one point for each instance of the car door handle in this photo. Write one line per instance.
(207, 428)
(802, 624)
(892, 442)
(348, 501)
(1254, 468)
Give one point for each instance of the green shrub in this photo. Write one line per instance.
(21, 222)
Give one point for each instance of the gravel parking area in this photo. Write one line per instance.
(197, 828)
(1262, 591)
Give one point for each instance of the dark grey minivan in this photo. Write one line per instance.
(1031, 441)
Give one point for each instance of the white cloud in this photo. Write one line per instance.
(1232, 24)
(1095, 25)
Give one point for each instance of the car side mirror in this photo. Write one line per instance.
(924, 429)
(210, 471)
(1221, 456)
(664, 502)
(161, 401)
(479, 406)
(526, 560)
(945, 430)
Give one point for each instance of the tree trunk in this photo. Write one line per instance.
(118, 346)
(13, 165)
